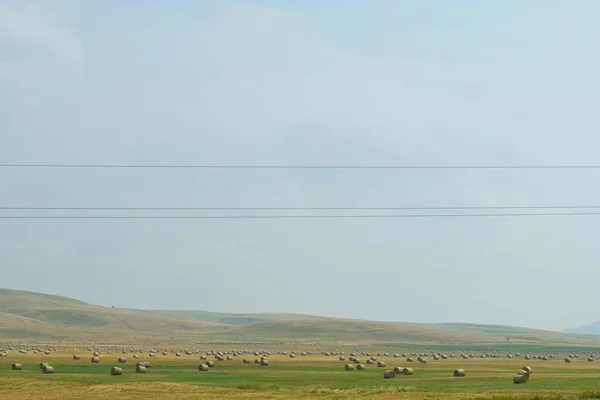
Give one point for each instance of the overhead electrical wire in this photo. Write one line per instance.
(249, 166)
(340, 216)
(407, 208)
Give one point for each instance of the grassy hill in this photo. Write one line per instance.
(28, 316)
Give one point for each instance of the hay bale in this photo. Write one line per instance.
(567, 360)
(264, 362)
(140, 369)
(524, 373)
(528, 369)
(16, 367)
(115, 371)
(459, 372)
(76, 357)
(211, 364)
(409, 359)
(389, 374)
(47, 369)
(349, 367)
(96, 354)
(95, 360)
(122, 360)
(203, 368)
(398, 370)
(42, 365)
(519, 379)
(380, 364)
(408, 371)
(361, 367)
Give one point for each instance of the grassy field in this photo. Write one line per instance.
(313, 376)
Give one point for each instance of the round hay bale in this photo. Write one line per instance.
(349, 367)
(409, 359)
(528, 369)
(115, 371)
(380, 364)
(524, 373)
(47, 369)
(398, 370)
(122, 360)
(361, 367)
(246, 361)
(264, 362)
(203, 368)
(459, 372)
(16, 367)
(389, 374)
(42, 365)
(95, 360)
(140, 369)
(408, 371)
(519, 379)
(211, 364)
(567, 360)
(96, 354)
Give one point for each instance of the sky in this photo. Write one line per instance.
(315, 83)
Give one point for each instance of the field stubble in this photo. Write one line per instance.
(313, 376)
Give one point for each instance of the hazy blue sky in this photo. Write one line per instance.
(305, 82)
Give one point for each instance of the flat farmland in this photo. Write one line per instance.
(311, 376)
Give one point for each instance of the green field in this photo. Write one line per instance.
(54, 322)
(303, 377)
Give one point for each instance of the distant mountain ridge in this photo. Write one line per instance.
(36, 316)
(589, 329)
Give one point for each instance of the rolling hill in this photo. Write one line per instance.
(28, 316)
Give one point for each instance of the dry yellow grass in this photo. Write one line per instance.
(313, 376)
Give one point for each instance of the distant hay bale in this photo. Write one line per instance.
(115, 371)
(398, 370)
(140, 369)
(524, 373)
(342, 358)
(47, 369)
(96, 354)
(528, 369)
(95, 360)
(520, 379)
(143, 364)
(264, 362)
(459, 372)
(292, 355)
(203, 368)
(567, 360)
(408, 359)
(361, 367)
(389, 374)
(122, 360)
(16, 367)
(590, 359)
(211, 364)
(42, 365)
(408, 371)
(76, 357)
(349, 367)
(380, 364)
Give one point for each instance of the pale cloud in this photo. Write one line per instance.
(29, 27)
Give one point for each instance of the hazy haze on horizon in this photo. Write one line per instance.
(337, 82)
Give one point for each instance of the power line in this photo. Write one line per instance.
(226, 166)
(407, 208)
(357, 216)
